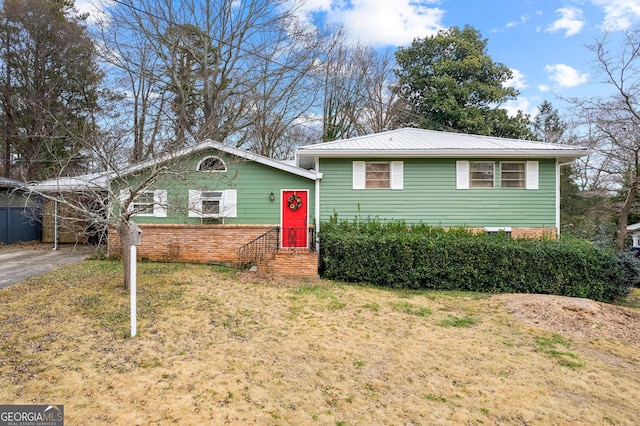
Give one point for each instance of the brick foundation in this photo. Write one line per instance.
(298, 262)
(191, 243)
(212, 244)
(532, 232)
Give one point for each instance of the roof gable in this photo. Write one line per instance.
(101, 180)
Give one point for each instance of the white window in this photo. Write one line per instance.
(481, 174)
(378, 175)
(512, 175)
(506, 230)
(213, 204)
(146, 203)
(143, 204)
(212, 164)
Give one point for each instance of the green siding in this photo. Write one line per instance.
(253, 182)
(430, 196)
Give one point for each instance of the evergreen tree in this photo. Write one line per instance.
(48, 86)
(449, 82)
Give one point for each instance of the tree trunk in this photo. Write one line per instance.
(624, 214)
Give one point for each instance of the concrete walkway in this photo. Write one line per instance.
(17, 264)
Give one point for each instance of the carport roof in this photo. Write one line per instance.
(10, 183)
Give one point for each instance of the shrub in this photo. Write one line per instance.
(422, 257)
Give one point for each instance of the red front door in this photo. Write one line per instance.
(295, 212)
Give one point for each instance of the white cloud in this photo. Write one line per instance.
(95, 9)
(571, 21)
(520, 104)
(523, 19)
(543, 88)
(517, 81)
(619, 14)
(381, 22)
(566, 76)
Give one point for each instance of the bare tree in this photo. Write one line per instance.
(381, 101)
(204, 56)
(343, 78)
(614, 121)
(286, 91)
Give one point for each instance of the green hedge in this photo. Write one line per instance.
(423, 257)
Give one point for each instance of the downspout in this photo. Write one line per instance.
(558, 165)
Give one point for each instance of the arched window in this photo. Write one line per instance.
(212, 164)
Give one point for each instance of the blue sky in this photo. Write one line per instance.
(542, 41)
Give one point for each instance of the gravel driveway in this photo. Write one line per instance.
(17, 264)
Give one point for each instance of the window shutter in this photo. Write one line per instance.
(229, 203)
(359, 175)
(532, 175)
(124, 196)
(160, 203)
(397, 180)
(462, 175)
(195, 203)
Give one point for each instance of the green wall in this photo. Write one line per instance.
(253, 182)
(430, 196)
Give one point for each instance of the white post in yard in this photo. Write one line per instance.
(134, 239)
(132, 283)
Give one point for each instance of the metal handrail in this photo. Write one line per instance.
(258, 248)
(269, 242)
(295, 236)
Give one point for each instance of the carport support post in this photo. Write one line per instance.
(134, 239)
(55, 225)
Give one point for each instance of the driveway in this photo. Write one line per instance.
(17, 264)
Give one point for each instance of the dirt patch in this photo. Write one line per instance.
(575, 317)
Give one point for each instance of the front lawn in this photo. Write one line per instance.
(218, 347)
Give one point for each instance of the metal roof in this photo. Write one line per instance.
(411, 142)
(98, 181)
(10, 183)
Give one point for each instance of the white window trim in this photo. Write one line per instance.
(212, 171)
(532, 175)
(396, 175)
(493, 181)
(159, 202)
(228, 204)
(525, 175)
(359, 175)
(462, 174)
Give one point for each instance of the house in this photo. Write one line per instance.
(208, 203)
(442, 179)
(19, 216)
(216, 203)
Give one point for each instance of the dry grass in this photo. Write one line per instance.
(215, 347)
